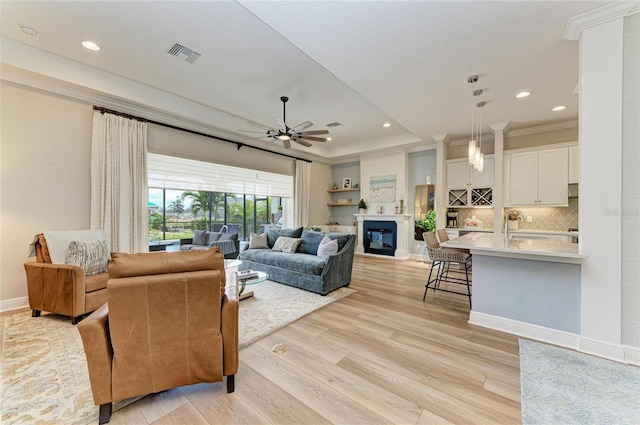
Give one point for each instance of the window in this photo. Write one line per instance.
(187, 195)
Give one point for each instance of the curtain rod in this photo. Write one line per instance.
(186, 130)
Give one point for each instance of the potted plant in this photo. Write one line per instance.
(362, 206)
(428, 224)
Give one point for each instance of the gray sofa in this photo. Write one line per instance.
(202, 239)
(304, 269)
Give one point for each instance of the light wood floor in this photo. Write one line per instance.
(380, 355)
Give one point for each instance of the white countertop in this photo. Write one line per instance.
(516, 232)
(519, 246)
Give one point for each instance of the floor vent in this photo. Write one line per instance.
(178, 49)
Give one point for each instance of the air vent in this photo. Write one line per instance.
(178, 49)
(335, 124)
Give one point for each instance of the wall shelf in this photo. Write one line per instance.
(335, 204)
(342, 190)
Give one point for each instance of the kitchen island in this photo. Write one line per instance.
(527, 284)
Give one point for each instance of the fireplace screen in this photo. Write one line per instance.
(379, 237)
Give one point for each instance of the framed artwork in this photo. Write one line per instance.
(346, 183)
(382, 189)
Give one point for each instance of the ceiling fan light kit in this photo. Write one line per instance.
(297, 133)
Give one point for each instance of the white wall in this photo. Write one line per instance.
(631, 184)
(385, 164)
(45, 182)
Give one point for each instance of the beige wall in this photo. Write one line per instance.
(44, 184)
(172, 142)
(45, 158)
(320, 181)
(541, 139)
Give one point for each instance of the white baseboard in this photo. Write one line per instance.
(602, 349)
(632, 355)
(527, 330)
(14, 304)
(619, 353)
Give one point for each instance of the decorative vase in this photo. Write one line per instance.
(513, 224)
(361, 210)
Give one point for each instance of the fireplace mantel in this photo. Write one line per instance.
(402, 242)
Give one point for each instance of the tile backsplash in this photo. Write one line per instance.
(544, 218)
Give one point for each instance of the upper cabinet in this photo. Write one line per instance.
(539, 177)
(460, 175)
(574, 164)
(468, 188)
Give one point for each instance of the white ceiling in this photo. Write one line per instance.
(360, 63)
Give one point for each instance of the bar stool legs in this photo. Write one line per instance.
(442, 275)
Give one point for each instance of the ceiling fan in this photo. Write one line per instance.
(296, 134)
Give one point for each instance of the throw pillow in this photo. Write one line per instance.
(200, 237)
(228, 236)
(273, 234)
(258, 241)
(212, 237)
(46, 258)
(286, 244)
(92, 256)
(327, 247)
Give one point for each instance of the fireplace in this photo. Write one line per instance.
(379, 237)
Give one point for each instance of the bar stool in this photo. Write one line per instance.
(441, 258)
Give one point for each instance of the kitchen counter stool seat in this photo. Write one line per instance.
(441, 259)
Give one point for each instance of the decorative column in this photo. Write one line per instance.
(600, 33)
(499, 131)
(442, 202)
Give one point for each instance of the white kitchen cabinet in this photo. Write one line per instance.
(539, 177)
(461, 175)
(574, 164)
(467, 187)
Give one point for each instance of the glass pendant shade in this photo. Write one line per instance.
(472, 151)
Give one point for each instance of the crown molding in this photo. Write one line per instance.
(502, 126)
(543, 128)
(465, 141)
(601, 15)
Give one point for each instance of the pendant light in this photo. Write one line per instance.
(475, 156)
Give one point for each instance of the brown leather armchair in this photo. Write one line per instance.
(62, 288)
(170, 321)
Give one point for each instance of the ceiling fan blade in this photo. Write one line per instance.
(315, 139)
(281, 125)
(303, 142)
(287, 144)
(302, 126)
(313, 133)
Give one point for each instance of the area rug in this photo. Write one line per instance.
(561, 386)
(43, 368)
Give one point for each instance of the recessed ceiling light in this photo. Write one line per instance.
(523, 94)
(559, 108)
(28, 30)
(329, 139)
(386, 125)
(91, 45)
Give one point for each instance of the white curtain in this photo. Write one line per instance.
(302, 187)
(119, 192)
